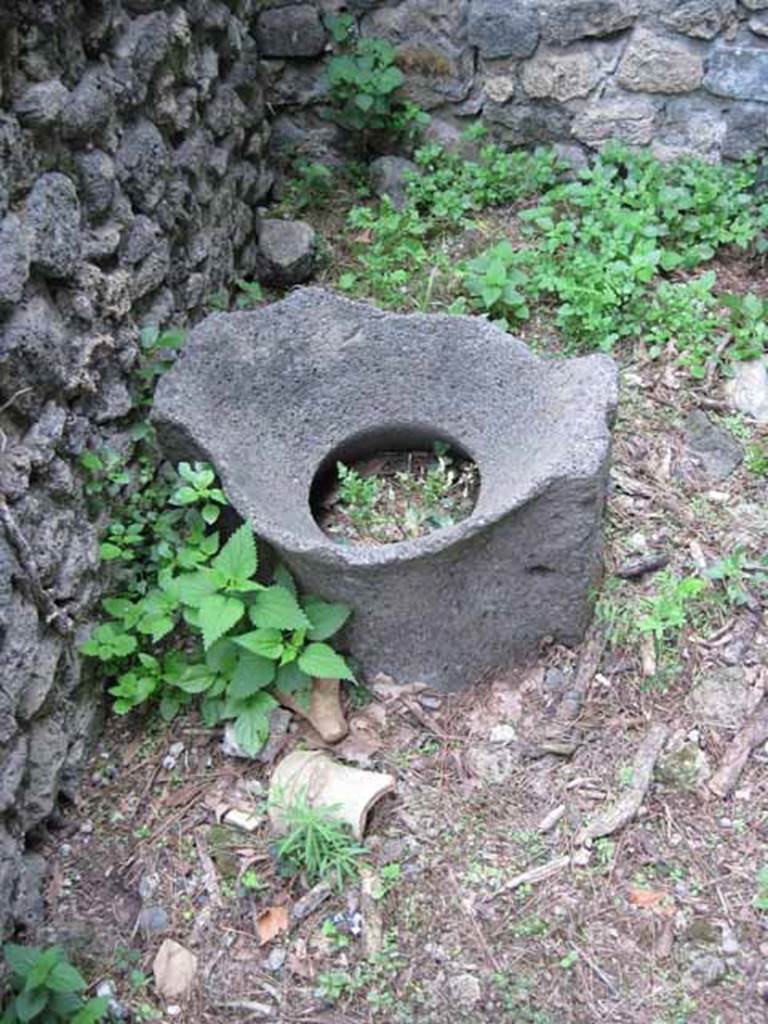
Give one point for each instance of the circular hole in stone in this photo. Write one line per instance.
(393, 484)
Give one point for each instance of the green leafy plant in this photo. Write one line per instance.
(756, 459)
(310, 188)
(249, 294)
(192, 623)
(667, 611)
(357, 494)
(493, 281)
(46, 989)
(363, 83)
(316, 843)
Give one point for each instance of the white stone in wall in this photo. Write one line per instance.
(561, 76)
(653, 63)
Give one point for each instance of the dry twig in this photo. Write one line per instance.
(754, 732)
(627, 806)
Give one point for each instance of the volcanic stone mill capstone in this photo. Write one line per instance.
(274, 396)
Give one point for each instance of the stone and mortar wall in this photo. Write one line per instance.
(683, 76)
(132, 140)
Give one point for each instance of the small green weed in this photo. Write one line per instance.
(760, 901)
(363, 83)
(192, 622)
(46, 989)
(316, 843)
(411, 494)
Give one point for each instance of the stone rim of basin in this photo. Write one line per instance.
(551, 388)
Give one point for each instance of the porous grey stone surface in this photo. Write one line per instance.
(715, 449)
(738, 72)
(271, 397)
(132, 157)
(294, 31)
(388, 177)
(501, 29)
(286, 251)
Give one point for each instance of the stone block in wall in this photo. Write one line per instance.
(702, 19)
(53, 224)
(628, 118)
(36, 356)
(756, 5)
(137, 54)
(96, 173)
(90, 106)
(13, 761)
(746, 131)
(10, 871)
(500, 29)
(562, 75)
(45, 758)
(14, 260)
(654, 63)
(294, 31)
(143, 164)
(433, 49)
(565, 21)
(759, 24)
(738, 72)
(690, 126)
(519, 124)
(299, 84)
(41, 104)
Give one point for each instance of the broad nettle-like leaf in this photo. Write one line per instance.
(266, 642)
(277, 608)
(252, 722)
(322, 662)
(218, 614)
(238, 560)
(252, 673)
(325, 618)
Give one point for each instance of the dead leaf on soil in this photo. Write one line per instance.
(270, 923)
(647, 899)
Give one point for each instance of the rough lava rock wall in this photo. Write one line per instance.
(683, 76)
(131, 142)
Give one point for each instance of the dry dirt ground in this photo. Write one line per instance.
(657, 922)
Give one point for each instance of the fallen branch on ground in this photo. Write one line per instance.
(754, 732)
(589, 663)
(627, 806)
(537, 874)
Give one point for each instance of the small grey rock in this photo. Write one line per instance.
(706, 970)
(14, 260)
(90, 106)
(294, 31)
(153, 920)
(723, 699)
(501, 29)
(747, 391)
(502, 734)
(286, 251)
(388, 177)
(41, 105)
(276, 959)
(730, 944)
(464, 990)
(53, 222)
(714, 448)
(96, 171)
